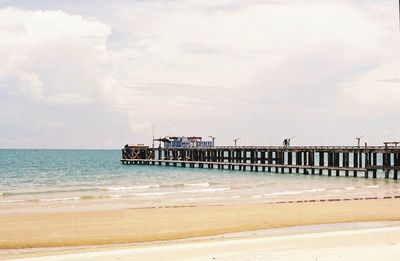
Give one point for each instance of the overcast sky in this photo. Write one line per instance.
(99, 74)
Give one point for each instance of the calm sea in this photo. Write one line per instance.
(60, 180)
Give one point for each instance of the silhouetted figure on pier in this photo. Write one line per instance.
(286, 143)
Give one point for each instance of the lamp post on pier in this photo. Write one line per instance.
(236, 140)
(359, 140)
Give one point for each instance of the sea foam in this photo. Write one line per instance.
(288, 193)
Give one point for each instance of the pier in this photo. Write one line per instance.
(349, 161)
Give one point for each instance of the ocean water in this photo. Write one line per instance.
(62, 180)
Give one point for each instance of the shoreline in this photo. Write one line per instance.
(19, 231)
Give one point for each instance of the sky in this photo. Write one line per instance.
(100, 74)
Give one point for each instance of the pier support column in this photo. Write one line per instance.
(355, 163)
(336, 163)
(219, 159)
(183, 156)
(362, 156)
(311, 163)
(386, 164)
(153, 156)
(276, 161)
(389, 162)
(374, 163)
(213, 157)
(330, 163)
(290, 160)
(366, 163)
(208, 158)
(160, 155)
(243, 154)
(244, 160)
(321, 161)
(257, 160)
(174, 157)
(234, 159)
(230, 159)
(305, 162)
(345, 163)
(396, 165)
(269, 160)
(251, 160)
(282, 161)
(298, 161)
(263, 159)
(238, 159)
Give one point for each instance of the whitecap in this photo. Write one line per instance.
(58, 199)
(315, 190)
(15, 201)
(151, 194)
(198, 184)
(212, 189)
(285, 193)
(207, 190)
(132, 187)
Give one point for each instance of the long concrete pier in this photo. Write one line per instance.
(353, 161)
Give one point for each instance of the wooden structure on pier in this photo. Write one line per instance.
(371, 161)
(138, 151)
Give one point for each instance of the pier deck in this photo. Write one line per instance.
(371, 161)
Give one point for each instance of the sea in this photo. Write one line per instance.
(66, 180)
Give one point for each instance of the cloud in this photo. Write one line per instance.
(53, 76)
(289, 62)
(256, 69)
(379, 88)
(47, 54)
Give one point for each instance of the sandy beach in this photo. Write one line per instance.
(21, 231)
(365, 241)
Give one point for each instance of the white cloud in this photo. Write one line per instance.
(49, 53)
(379, 88)
(234, 68)
(278, 55)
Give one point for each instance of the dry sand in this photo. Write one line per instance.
(155, 224)
(379, 243)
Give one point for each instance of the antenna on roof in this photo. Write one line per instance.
(153, 135)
